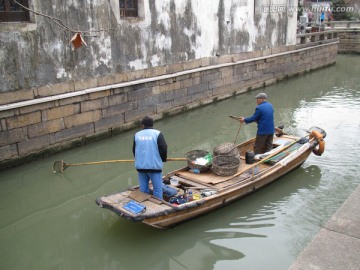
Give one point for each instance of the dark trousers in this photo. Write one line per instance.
(263, 143)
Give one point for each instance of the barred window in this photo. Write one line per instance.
(128, 8)
(11, 12)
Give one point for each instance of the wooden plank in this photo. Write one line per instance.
(211, 178)
(139, 196)
(192, 179)
(204, 178)
(154, 201)
(244, 176)
(189, 184)
(154, 205)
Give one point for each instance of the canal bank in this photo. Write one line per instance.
(101, 107)
(337, 245)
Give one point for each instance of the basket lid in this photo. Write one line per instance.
(225, 149)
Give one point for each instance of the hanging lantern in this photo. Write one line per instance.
(77, 41)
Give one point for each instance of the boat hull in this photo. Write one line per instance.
(232, 195)
(249, 178)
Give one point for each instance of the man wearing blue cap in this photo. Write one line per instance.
(264, 116)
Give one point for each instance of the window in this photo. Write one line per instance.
(11, 12)
(128, 8)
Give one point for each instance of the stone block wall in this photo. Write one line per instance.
(34, 122)
(349, 41)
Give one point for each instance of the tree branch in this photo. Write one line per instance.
(58, 22)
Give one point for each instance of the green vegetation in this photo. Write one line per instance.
(342, 13)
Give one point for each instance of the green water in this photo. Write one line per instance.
(51, 221)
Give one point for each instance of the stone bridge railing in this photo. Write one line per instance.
(342, 24)
(347, 33)
(317, 37)
(335, 25)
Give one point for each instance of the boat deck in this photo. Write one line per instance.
(199, 183)
(209, 180)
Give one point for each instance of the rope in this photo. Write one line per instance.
(238, 133)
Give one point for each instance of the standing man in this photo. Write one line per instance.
(322, 17)
(150, 151)
(264, 116)
(310, 17)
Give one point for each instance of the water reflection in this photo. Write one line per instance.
(170, 249)
(263, 214)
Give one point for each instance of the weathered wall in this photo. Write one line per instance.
(180, 54)
(167, 32)
(113, 103)
(349, 41)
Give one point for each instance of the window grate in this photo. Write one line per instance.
(11, 12)
(128, 8)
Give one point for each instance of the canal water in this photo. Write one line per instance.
(51, 221)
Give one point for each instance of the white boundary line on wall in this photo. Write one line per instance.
(140, 81)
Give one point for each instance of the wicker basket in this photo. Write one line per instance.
(226, 149)
(193, 155)
(225, 165)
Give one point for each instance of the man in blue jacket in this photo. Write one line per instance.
(150, 151)
(264, 116)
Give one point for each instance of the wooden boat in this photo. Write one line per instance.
(211, 191)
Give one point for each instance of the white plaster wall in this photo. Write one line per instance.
(166, 32)
(244, 20)
(203, 35)
(292, 24)
(207, 27)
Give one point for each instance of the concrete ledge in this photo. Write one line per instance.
(337, 245)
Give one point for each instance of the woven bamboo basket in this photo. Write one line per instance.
(225, 165)
(226, 149)
(193, 155)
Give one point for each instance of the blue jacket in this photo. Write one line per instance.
(264, 116)
(150, 150)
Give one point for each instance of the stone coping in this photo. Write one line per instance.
(22, 98)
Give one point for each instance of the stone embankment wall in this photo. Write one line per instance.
(92, 108)
(349, 41)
